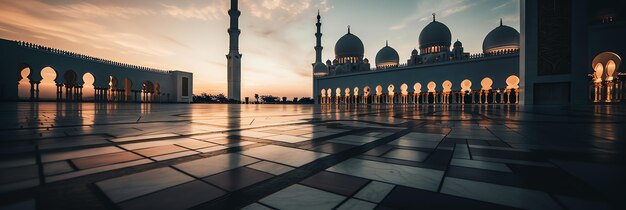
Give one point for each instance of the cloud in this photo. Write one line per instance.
(501, 6)
(85, 10)
(214, 11)
(425, 9)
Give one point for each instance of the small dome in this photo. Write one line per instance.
(387, 56)
(366, 60)
(502, 37)
(349, 45)
(414, 52)
(319, 69)
(458, 44)
(434, 34)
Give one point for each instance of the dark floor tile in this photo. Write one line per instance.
(527, 156)
(9, 175)
(183, 196)
(160, 150)
(498, 144)
(409, 198)
(332, 148)
(477, 142)
(488, 176)
(410, 155)
(237, 178)
(336, 183)
(379, 150)
(554, 180)
(106, 159)
(439, 158)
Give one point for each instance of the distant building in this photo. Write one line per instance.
(113, 81)
(559, 59)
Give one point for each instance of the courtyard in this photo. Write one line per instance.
(200, 156)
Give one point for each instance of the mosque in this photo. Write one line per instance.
(439, 71)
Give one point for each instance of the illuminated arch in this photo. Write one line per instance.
(466, 85)
(367, 90)
(404, 89)
(48, 85)
(486, 83)
(390, 89)
(512, 82)
(447, 86)
(431, 86)
(379, 90)
(417, 87)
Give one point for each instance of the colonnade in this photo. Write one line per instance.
(493, 96)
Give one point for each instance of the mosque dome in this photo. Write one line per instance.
(320, 69)
(387, 56)
(501, 38)
(349, 45)
(435, 34)
(458, 44)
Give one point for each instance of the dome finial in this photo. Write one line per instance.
(387, 43)
(434, 16)
(500, 21)
(348, 29)
(318, 14)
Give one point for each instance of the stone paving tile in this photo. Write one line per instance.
(135, 185)
(409, 198)
(270, 167)
(499, 194)
(159, 150)
(335, 183)
(237, 178)
(50, 157)
(56, 168)
(181, 197)
(374, 191)
(105, 159)
(299, 197)
(410, 155)
(216, 164)
(421, 178)
(284, 155)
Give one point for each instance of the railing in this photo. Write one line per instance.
(87, 57)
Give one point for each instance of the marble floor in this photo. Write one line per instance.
(199, 156)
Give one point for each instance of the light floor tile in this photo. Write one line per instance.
(374, 191)
(216, 164)
(50, 157)
(421, 178)
(299, 197)
(272, 168)
(500, 194)
(480, 165)
(134, 185)
(355, 204)
(285, 155)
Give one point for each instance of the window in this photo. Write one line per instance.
(185, 87)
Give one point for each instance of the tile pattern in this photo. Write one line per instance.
(311, 157)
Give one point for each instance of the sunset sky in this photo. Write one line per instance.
(277, 35)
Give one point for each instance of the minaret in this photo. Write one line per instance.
(233, 56)
(318, 38)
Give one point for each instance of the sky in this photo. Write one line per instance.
(277, 36)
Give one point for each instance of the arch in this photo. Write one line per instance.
(486, 83)
(379, 90)
(329, 92)
(70, 78)
(431, 87)
(346, 92)
(89, 81)
(23, 82)
(390, 89)
(323, 92)
(466, 85)
(417, 87)
(512, 82)
(610, 70)
(447, 86)
(367, 90)
(356, 91)
(404, 89)
(604, 57)
(48, 84)
(112, 82)
(598, 72)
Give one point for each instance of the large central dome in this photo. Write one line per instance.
(349, 45)
(501, 38)
(435, 34)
